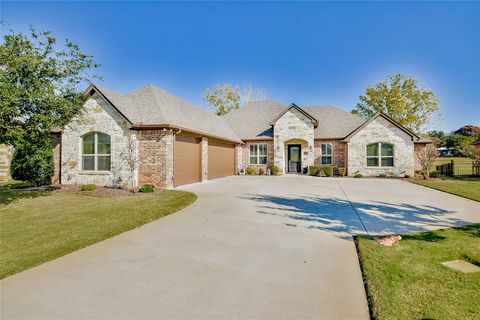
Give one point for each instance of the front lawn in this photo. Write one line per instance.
(39, 226)
(467, 187)
(408, 281)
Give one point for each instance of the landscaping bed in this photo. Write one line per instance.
(38, 226)
(408, 280)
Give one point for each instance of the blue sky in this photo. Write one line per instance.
(302, 52)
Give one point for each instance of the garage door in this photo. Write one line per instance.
(221, 160)
(186, 160)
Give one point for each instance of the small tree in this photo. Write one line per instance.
(130, 157)
(402, 99)
(426, 158)
(223, 98)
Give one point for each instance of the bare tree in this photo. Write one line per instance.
(426, 158)
(250, 93)
(130, 158)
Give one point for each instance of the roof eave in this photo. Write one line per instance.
(92, 87)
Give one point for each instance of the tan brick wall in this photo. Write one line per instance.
(339, 152)
(246, 155)
(156, 157)
(57, 157)
(6, 153)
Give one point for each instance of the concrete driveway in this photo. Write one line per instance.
(248, 248)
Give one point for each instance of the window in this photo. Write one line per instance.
(380, 154)
(258, 153)
(96, 152)
(326, 156)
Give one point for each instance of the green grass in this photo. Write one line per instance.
(40, 226)
(408, 281)
(467, 187)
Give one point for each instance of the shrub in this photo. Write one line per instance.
(342, 171)
(88, 187)
(261, 171)
(147, 188)
(357, 175)
(382, 175)
(276, 170)
(434, 174)
(250, 171)
(406, 176)
(33, 163)
(314, 170)
(328, 171)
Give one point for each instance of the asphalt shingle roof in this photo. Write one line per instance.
(253, 120)
(151, 105)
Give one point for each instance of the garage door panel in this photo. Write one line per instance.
(187, 160)
(221, 160)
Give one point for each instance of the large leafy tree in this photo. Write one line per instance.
(401, 98)
(40, 89)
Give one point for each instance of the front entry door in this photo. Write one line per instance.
(294, 158)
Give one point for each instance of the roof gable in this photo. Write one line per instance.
(294, 106)
(384, 116)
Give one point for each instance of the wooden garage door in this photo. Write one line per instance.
(221, 160)
(186, 160)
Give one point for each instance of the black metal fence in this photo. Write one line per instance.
(458, 168)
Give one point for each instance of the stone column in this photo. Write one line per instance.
(204, 159)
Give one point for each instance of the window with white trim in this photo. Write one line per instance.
(96, 152)
(326, 153)
(380, 155)
(258, 153)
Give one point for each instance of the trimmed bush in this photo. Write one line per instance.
(406, 176)
(382, 175)
(33, 163)
(328, 171)
(88, 187)
(147, 188)
(250, 171)
(261, 171)
(357, 175)
(434, 174)
(342, 171)
(276, 171)
(314, 170)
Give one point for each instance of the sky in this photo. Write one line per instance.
(308, 53)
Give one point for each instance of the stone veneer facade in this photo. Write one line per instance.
(381, 130)
(293, 127)
(99, 116)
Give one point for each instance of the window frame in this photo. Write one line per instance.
(257, 156)
(95, 154)
(326, 155)
(379, 155)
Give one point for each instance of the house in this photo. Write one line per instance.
(476, 145)
(152, 136)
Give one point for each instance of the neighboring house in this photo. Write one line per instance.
(6, 153)
(173, 142)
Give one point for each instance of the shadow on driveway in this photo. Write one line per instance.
(344, 218)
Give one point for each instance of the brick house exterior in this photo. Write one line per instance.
(151, 136)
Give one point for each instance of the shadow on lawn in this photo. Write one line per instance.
(338, 217)
(9, 194)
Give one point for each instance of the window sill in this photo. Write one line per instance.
(96, 173)
(379, 168)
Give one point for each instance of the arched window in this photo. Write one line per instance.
(96, 152)
(380, 155)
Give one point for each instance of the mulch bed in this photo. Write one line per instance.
(104, 192)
